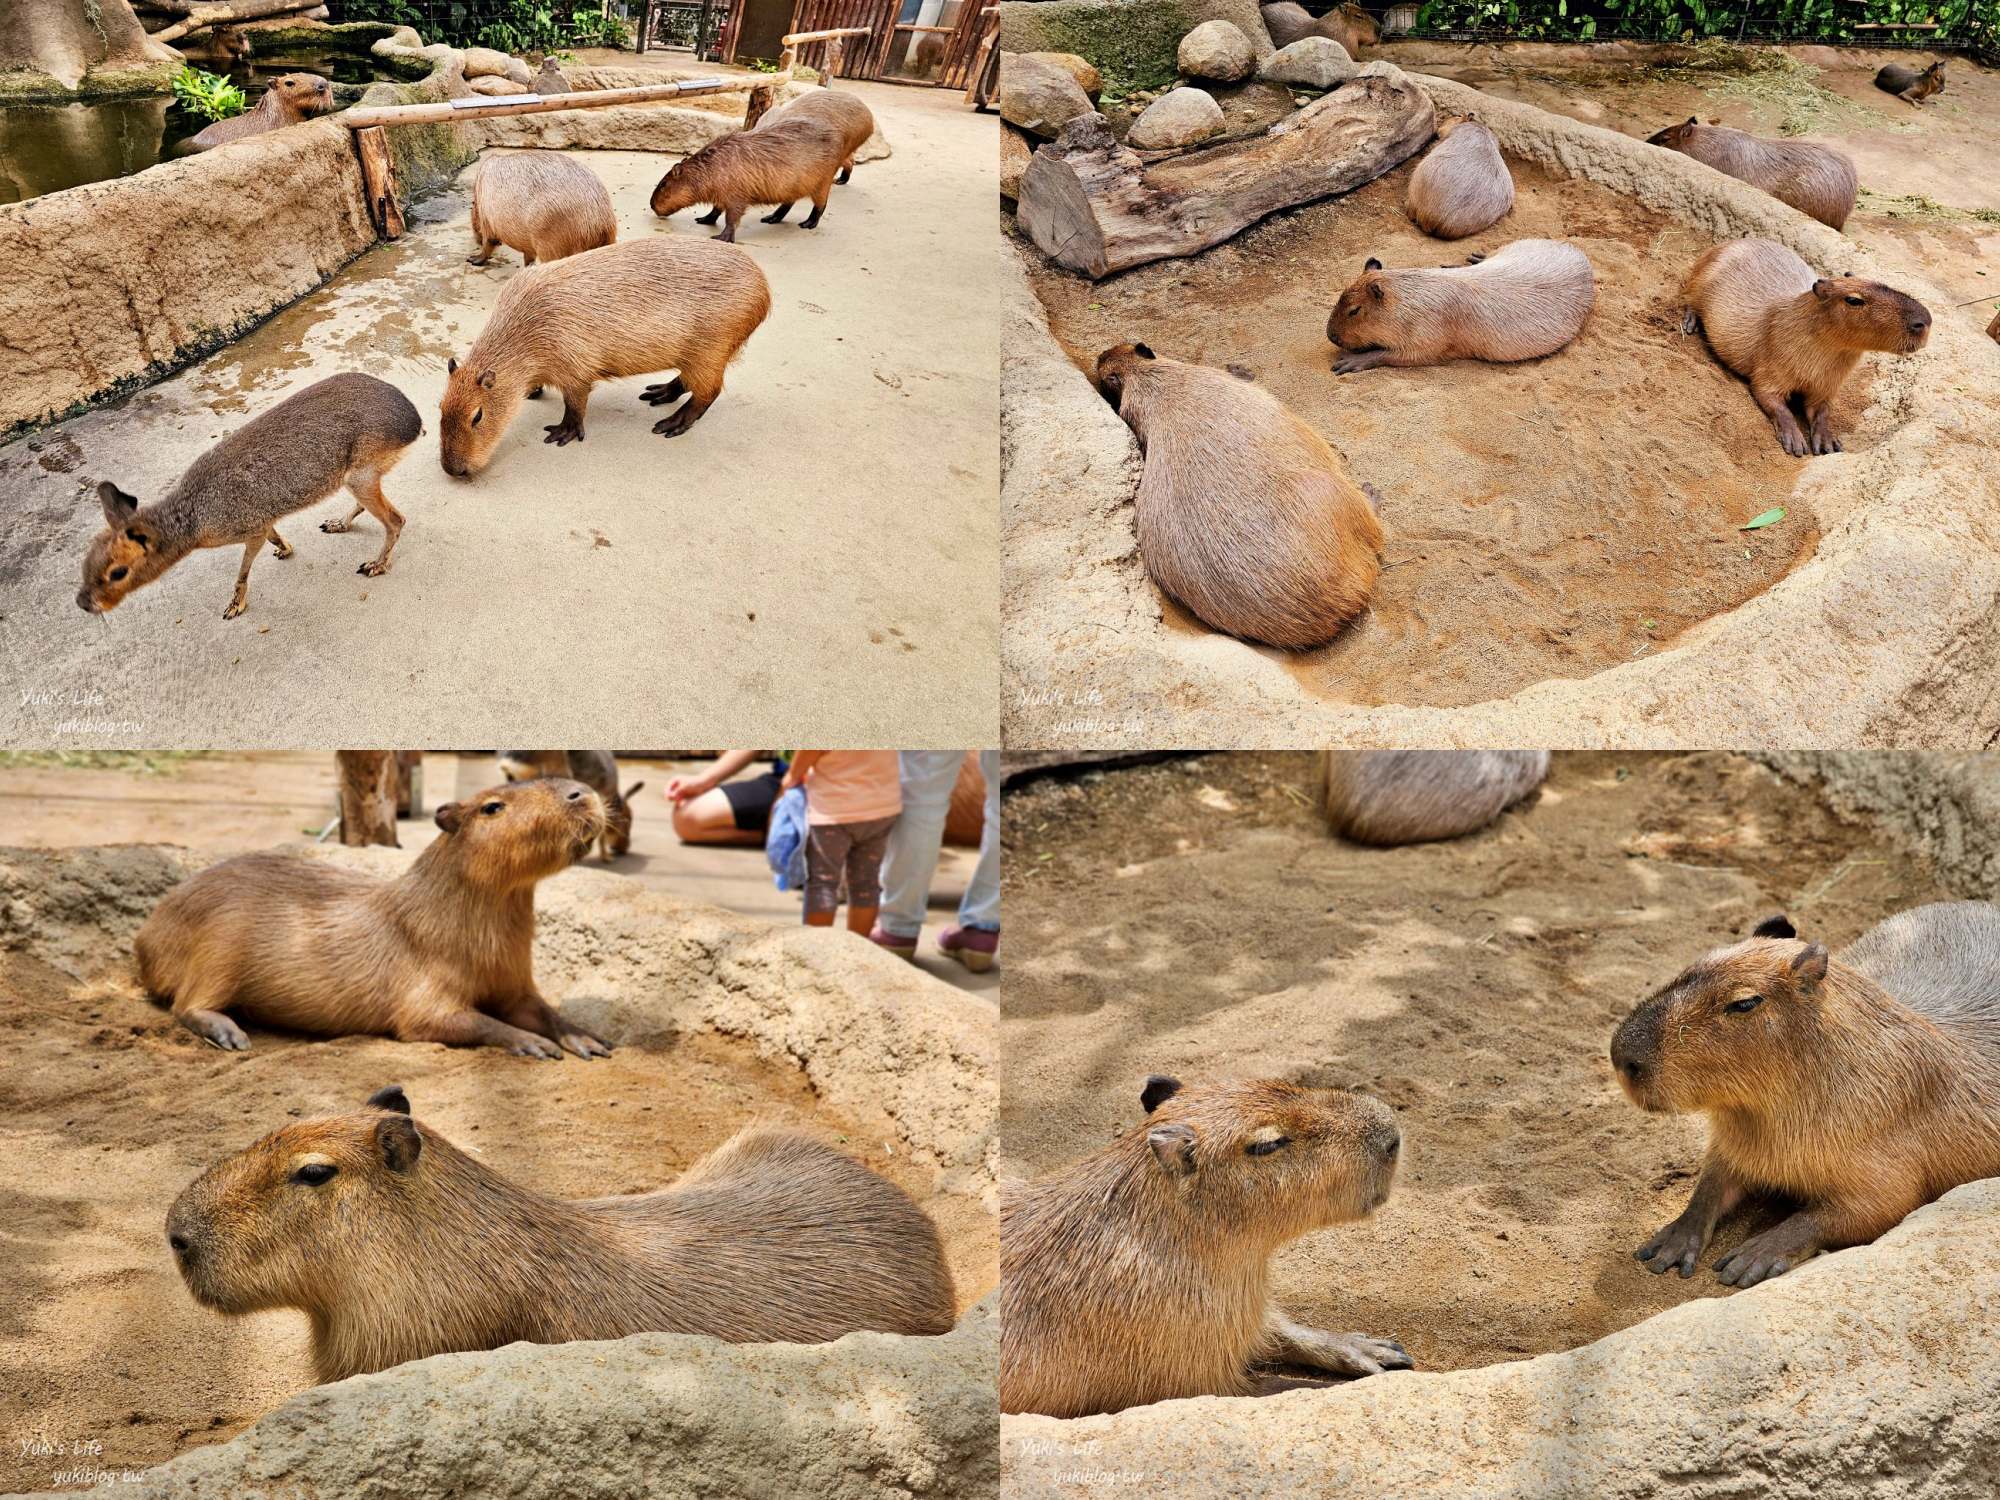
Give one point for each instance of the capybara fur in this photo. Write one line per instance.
(1349, 25)
(1793, 334)
(632, 309)
(1527, 299)
(1142, 1272)
(837, 110)
(397, 1245)
(292, 97)
(596, 769)
(444, 952)
(1913, 84)
(1462, 185)
(1993, 328)
(1413, 796)
(783, 160)
(344, 430)
(1817, 180)
(1244, 514)
(1857, 1087)
(541, 203)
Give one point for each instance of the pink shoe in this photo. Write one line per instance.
(974, 947)
(902, 947)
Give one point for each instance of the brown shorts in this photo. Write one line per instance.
(850, 850)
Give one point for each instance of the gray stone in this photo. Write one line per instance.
(1038, 96)
(1185, 117)
(485, 62)
(1216, 50)
(1016, 150)
(1313, 62)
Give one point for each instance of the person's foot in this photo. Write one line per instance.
(902, 947)
(974, 947)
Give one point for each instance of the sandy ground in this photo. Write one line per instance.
(1545, 519)
(758, 572)
(226, 804)
(1194, 918)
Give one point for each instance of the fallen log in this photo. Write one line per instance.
(198, 17)
(1093, 204)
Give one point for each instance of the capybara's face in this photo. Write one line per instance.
(122, 557)
(522, 831)
(1118, 364)
(290, 1220)
(308, 93)
(677, 190)
(1869, 315)
(1674, 136)
(1278, 1159)
(1721, 1035)
(478, 404)
(1365, 316)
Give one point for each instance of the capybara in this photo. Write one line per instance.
(1348, 24)
(1527, 299)
(631, 309)
(1993, 328)
(541, 203)
(596, 769)
(1244, 514)
(343, 430)
(1793, 334)
(831, 107)
(444, 952)
(398, 1245)
(1414, 796)
(782, 160)
(1142, 1272)
(292, 97)
(1858, 1087)
(1912, 84)
(1462, 185)
(1817, 180)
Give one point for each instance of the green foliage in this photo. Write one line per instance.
(206, 95)
(506, 25)
(1960, 22)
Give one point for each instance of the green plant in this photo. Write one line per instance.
(206, 95)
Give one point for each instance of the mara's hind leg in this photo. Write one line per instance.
(570, 429)
(279, 545)
(811, 220)
(777, 215)
(533, 1013)
(240, 601)
(336, 527)
(366, 486)
(471, 1028)
(702, 387)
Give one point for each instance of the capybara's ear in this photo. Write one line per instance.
(451, 365)
(486, 380)
(118, 506)
(1371, 264)
(1809, 968)
(633, 790)
(397, 1139)
(391, 1097)
(1173, 1148)
(1777, 925)
(1694, 120)
(1142, 351)
(448, 817)
(1158, 1090)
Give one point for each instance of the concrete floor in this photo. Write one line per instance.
(818, 559)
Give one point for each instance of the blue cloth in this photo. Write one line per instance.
(785, 840)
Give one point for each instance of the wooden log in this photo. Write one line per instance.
(200, 17)
(1095, 205)
(483, 107)
(378, 178)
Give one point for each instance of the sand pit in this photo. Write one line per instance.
(719, 1021)
(1194, 918)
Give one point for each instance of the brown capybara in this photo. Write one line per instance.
(1390, 797)
(837, 110)
(1912, 84)
(1462, 185)
(1526, 299)
(1244, 514)
(596, 769)
(540, 203)
(398, 1245)
(631, 309)
(1859, 1087)
(1793, 334)
(1818, 181)
(1142, 1272)
(1993, 328)
(345, 430)
(292, 97)
(781, 161)
(1348, 24)
(442, 953)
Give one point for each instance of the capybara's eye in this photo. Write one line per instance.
(477, 415)
(117, 574)
(493, 809)
(1855, 300)
(1265, 1148)
(313, 1173)
(1744, 1006)
(1354, 311)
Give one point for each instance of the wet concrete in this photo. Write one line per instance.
(820, 550)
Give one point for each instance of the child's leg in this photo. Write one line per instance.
(864, 871)
(826, 857)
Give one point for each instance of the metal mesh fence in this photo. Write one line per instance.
(511, 25)
(1952, 26)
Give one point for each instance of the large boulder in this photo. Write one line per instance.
(1038, 96)
(1087, 77)
(1313, 62)
(1016, 150)
(485, 62)
(1134, 42)
(1218, 51)
(1185, 117)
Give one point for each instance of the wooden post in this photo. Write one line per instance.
(378, 179)
(487, 107)
(832, 68)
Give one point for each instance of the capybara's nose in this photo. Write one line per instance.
(1385, 1141)
(1919, 326)
(181, 1245)
(83, 601)
(575, 794)
(1630, 1068)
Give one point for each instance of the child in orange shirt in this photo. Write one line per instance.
(853, 798)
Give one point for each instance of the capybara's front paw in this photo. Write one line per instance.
(1358, 1354)
(665, 393)
(583, 1044)
(562, 434)
(1678, 1244)
(217, 1030)
(1760, 1258)
(1350, 364)
(530, 1045)
(1793, 439)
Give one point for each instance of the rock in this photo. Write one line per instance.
(494, 86)
(405, 37)
(1313, 62)
(484, 62)
(1133, 39)
(1216, 50)
(1253, 107)
(1038, 96)
(1182, 118)
(1086, 75)
(1016, 150)
(550, 79)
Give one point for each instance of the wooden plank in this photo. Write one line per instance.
(483, 107)
(378, 180)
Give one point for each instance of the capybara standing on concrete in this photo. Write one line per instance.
(631, 309)
(1817, 180)
(837, 110)
(540, 203)
(442, 953)
(1527, 299)
(781, 161)
(1142, 1272)
(1462, 185)
(1859, 1086)
(1244, 514)
(1794, 334)
(344, 430)
(398, 1245)
(292, 97)
(1912, 84)
(1414, 796)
